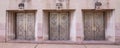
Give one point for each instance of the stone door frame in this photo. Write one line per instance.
(109, 38)
(46, 34)
(10, 35)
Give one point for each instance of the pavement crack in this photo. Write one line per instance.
(36, 45)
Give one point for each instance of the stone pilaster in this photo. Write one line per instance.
(117, 33)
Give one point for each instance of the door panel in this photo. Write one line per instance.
(20, 25)
(99, 24)
(64, 26)
(25, 25)
(88, 24)
(30, 26)
(54, 31)
(94, 26)
(59, 26)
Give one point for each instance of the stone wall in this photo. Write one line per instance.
(77, 33)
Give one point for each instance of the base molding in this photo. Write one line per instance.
(2, 39)
(117, 39)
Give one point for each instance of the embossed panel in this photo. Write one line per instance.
(94, 26)
(59, 26)
(99, 25)
(54, 29)
(88, 24)
(20, 25)
(64, 26)
(30, 26)
(25, 24)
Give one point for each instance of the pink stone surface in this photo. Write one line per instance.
(117, 29)
(2, 32)
(29, 45)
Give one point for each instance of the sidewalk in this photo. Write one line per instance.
(29, 45)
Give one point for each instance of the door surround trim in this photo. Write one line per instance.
(10, 38)
(109, 13)
(46, 13)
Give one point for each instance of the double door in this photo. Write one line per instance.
(25, 26)
(59, 26)
(94, 26)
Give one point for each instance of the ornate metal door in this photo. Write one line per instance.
(94, 26)
(59, 26)
(64, 26)
(25, 24)
(54, 29)
(88, 24)
(20, 25)
(30, 26)
(99, 26)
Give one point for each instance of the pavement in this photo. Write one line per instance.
(30, 45)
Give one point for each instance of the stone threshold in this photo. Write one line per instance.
(65, 42)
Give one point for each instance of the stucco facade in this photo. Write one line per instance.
(75, 7)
